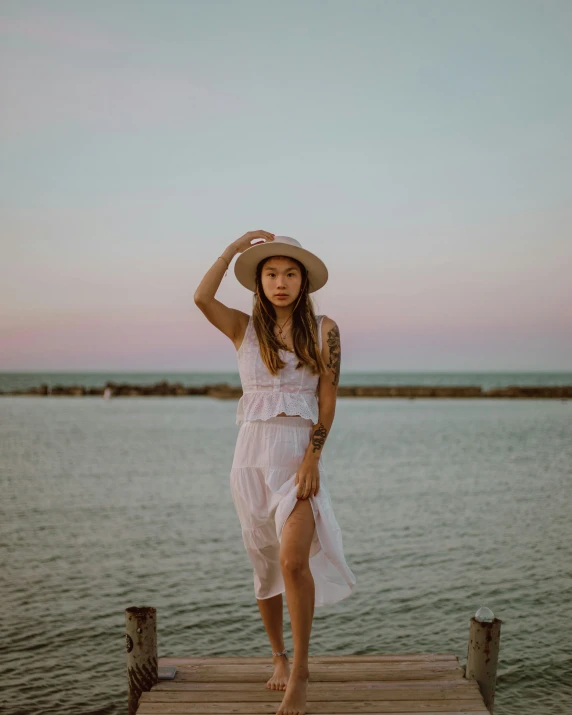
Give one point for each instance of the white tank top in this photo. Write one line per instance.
(265, 395)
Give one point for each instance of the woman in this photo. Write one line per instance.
(289, 365)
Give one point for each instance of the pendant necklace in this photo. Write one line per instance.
(280, 332)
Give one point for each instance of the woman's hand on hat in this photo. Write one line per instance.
(244, 242)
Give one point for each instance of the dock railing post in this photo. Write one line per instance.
(141, 643)
(482, 653)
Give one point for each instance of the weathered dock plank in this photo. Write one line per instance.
(355, 690)
(324, 708)
(374, 658)
(323, 672)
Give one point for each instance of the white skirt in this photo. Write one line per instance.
(267, 456)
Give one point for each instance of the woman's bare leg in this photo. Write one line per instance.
(294, 562)
(271, 610)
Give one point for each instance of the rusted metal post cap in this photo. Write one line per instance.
(484, 615)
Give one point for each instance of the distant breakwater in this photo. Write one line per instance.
(226, 391)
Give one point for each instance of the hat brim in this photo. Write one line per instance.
(245, 266)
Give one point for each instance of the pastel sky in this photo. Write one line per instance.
(422, 148)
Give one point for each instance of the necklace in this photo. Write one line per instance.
(282, 335)
(280, 329)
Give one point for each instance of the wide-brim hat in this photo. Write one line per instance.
(246, 263)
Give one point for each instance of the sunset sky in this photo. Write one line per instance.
(421, 148)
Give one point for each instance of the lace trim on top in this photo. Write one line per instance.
(265, 395)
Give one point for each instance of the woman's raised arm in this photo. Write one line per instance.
(229, 321)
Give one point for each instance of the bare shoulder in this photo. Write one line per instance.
(330, 330)
(230, 321)
(243, 319)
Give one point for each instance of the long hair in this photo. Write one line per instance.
(304, 327)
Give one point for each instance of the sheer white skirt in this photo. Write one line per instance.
(262, 478)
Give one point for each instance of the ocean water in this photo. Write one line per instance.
(445, 505)
(487, 380)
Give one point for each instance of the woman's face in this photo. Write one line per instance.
(281, 280)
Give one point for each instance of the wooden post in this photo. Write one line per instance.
(141, 642)
(482, 656)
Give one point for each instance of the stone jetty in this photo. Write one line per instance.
(230, 392)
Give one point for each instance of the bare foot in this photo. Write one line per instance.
(279, 678)
(294, 700)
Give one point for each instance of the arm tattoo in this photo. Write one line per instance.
(318, 437)
(335, 353)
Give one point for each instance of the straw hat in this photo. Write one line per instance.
(245, 265)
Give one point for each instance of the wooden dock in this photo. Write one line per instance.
(431, 683)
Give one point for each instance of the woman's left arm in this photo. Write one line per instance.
(327, 395)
